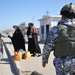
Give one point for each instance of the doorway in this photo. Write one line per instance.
(47, 29)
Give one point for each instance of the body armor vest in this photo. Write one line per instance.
(65, 43)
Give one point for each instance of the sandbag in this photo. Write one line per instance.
(27, 55)
(18, 56)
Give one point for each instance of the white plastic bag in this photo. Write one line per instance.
(30, 36)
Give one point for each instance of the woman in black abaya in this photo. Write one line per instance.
(18, 40)
(33, 45)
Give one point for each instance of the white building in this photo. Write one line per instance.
(46, 23)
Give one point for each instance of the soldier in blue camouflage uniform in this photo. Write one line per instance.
(64, 63)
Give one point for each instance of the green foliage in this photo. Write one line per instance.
(22, 24)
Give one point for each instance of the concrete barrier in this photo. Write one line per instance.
(13, 63)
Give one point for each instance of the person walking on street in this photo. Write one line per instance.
(62, 39)
(1, 46)
(18, 39)
(33, 45)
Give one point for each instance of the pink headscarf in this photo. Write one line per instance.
(33, 29)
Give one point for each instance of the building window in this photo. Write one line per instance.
(42, 29)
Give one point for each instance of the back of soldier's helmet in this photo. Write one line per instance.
(70, 8)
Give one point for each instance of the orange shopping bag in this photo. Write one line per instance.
(18, 56)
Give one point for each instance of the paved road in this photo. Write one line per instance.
(6, 67)
(32, 64)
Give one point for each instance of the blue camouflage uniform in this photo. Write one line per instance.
(63, 65)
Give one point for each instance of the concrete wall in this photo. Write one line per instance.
(47, 20)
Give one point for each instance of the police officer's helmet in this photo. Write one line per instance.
(70, 8)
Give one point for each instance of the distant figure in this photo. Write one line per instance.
(1, 46)
(33, 46)
(18, 40)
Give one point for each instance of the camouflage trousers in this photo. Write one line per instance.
(65, 65)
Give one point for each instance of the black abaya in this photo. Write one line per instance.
(18, 41)
(33, 46)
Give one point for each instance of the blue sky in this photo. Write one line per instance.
(13, 12)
